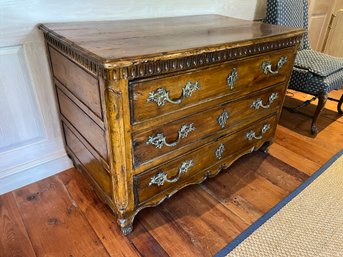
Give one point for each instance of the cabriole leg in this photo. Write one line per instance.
(339, 105)
(322, 98)
(265, 147)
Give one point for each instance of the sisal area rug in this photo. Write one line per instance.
(308, 222)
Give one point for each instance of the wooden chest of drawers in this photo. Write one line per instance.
(151, 106)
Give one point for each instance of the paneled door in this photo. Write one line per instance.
(319, 17)
(334, 45)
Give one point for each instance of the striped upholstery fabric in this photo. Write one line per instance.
(313, 72)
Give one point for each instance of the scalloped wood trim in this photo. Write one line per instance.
(208, 174)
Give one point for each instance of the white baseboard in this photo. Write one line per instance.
(34, 173)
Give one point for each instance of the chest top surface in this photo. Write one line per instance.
(127, 40)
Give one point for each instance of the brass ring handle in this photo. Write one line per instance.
(162, 177)
(159, 140)
(256, 104)
(267, 65)
(160, 96)
(252, 135)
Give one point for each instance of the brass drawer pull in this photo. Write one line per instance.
(161, 177)
(251, 134)
(219, 151)
(231, 78)
(222, 119)
(160, 96)
(267, 66)
(159, 140)
(259, 103)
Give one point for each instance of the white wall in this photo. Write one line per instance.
(31, 146)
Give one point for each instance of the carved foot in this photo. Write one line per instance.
(314, 129)
(265, 147)
(266, 150)
(322, 98)
(126, 230)
(126, 224)
(339, 106)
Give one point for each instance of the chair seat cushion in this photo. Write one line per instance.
(305, 81)
(318, 63)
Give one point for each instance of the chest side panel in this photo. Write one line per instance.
(81, 105)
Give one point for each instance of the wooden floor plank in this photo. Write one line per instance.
(202, 222)
(293, 159)
(300, 125)
(318, 152)
(330, 110)
(257, 194)
(54, 222)
(253, 185)
(14, 240)
(144, 242)
(282, 179)
(225, 186)
(167, 233)
(242, 208)
(99, 217)
(140, 242)
(206, 221)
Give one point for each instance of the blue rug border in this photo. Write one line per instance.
(234, 243)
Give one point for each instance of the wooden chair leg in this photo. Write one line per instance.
(322, 98)
(339, 105)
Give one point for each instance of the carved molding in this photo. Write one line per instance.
(92, 65)
(153, 68)
(147, 68)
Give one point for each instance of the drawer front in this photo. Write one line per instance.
(226, 118)
(152, 98)
(174, 173)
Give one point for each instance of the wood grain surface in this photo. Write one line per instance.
(206, 124)
(54, 223)
(14, 240)
(212, 84)
(128, 39)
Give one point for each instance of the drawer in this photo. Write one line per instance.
(155, 97)
(225, 118)
(174, 173)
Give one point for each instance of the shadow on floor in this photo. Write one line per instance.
(301, 121)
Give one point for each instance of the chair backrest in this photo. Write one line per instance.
(291, 13)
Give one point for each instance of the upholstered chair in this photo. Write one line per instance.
(314, 73)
